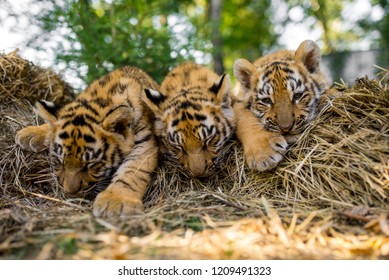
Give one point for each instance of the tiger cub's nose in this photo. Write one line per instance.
(286, 127)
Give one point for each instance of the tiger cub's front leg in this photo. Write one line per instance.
(123, 197)
(263, 150)
(33, 138)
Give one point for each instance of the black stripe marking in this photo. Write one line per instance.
(104, 80)
(186, 76)
(144, 180)
(113, 89)
(265, 77)
(93, 93)
(278, 64)
(142, 140)
(122, 181)
(63, 135)
(97, 153)
(316, 84)
(189, 116)
(50, 107)
(92, 119)
(89, 138)
(175, 122)
(187, 104)
(210, 129)
(216, 87)
(87, 106)
(137, 129)
(79, 121)
(101, 102)
(200, 117)
(126, 184)
(105, 149)
(57, 148)
(68, 116)
(287, 70)
(114, 109)
(122, 87)
(155, 99)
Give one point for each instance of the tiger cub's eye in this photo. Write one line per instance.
(266, 101)
(297, 96)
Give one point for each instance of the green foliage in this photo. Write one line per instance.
(340, 33)
(247, 29)
(153, 35)
(194, 223)
(327, 16)
(245, 25)
(104, 36)
(93, 37)
(382, 26)
(68, 245)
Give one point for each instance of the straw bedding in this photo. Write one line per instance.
(328, 199)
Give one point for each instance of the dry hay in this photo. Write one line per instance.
(20, 80)
(327, 200)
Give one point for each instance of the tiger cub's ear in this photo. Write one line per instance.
(154, 99)
(48, 111)
(221, 88)
(243, 72)
(118, 120)
(309, 54)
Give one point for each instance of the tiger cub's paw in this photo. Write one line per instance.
(32, 138)
(267, 153)
(117, 201)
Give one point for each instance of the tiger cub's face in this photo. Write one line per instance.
(283, 89)
(194, 117)
(84, 150)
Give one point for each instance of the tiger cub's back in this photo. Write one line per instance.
(189, 76)
(124, 85)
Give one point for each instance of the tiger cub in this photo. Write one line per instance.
(101, 143)
(194, 116)
(278, 97)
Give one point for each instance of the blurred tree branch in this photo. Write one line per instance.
(215, 8)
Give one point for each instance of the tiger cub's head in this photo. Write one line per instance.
(193, 124)
(86, 150)
(283, 89)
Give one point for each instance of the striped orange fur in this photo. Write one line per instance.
(278, 97)
(194, 117)
(101, 143)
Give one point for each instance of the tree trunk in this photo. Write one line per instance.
(216, 39)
